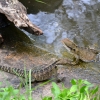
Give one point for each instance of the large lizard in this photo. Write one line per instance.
(37, 74)
(40, 73)
(80, 53)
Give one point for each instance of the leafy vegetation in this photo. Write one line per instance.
(80, 90)
(9, 93)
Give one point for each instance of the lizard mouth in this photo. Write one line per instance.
(67, 48)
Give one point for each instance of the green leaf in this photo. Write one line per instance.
(63, 93)
(55, 90)
(73, 81)
(93, 91)
(83, 89)
(47, 98)
(87, 83)
(83, 97)
(15, 92)
(0, 83)
(95, 98)
(74, 88)
(5, 95)
(80, 82)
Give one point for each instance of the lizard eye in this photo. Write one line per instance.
(56, 67)
(73, 49)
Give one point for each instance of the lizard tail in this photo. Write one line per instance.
(15, 71)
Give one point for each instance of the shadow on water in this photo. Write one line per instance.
(16, 40)
(48, 6)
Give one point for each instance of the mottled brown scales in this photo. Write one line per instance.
(66, 61)
(45, 71)
(84, 54)
(39, 74)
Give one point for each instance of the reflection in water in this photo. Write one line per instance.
(77, 20)
(34, 7)
(50, 25)
(53, 33)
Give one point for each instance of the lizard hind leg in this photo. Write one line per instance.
(17, 82)
(55, 77)
(97, 59)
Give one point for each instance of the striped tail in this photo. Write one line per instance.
(15, 71)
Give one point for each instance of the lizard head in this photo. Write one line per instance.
(69, 45)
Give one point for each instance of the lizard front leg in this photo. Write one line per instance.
(76, 59)
(66, 61)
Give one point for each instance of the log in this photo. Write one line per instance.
(16, 12)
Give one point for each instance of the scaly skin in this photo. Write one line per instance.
(84, 54)
(66, 61)
(45, 72)
(40, 74)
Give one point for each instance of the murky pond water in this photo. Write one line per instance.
(78, 20)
